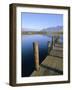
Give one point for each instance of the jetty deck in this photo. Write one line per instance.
(52, 64)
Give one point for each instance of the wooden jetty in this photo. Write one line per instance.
(53, 63)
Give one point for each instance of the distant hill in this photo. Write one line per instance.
(53, 29)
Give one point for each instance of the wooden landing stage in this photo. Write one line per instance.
(52, 64)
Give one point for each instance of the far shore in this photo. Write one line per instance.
(39, 32)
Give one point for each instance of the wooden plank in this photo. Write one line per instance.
(53, 62)
(50, 66)
(56, 53)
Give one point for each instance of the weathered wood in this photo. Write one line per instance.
(53, 41)
(36, 55)
(57, 38)
(52, 44)
(49, 47)
(52, 64)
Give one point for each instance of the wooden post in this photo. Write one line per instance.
(49, 47)
(56, 39)
(53, 42)
(36, 55)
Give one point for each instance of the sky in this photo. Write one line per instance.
(40, 21)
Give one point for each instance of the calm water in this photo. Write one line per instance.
(27, 51)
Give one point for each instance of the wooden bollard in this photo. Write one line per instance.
(36, 55)
(49, 47)
(53, 43)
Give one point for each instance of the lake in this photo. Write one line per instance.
(27, 51)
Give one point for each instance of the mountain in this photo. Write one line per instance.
(53, 29)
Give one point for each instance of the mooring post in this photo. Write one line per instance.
(53, 43)
(36, 55)
(49, 47)
(56, 39)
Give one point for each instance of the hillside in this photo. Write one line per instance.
(53, 29)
